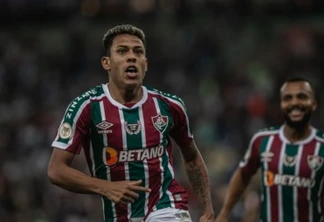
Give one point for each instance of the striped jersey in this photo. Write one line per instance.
(129, 143)
(291, 175)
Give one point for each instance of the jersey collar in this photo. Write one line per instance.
(115, 103)
(301, 142)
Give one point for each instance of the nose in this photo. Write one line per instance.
(294, 100)
(131, 59)
(131, 56)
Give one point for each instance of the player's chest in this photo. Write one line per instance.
(305, 161)
(138, 127)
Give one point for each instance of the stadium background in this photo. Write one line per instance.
(226, 59)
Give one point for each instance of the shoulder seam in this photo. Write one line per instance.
(264, 133)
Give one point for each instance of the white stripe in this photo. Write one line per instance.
(162, 178)
(280, 163)
(158, 111)
(319, 208)
(103, 118)
(124, 138)
(172, 200)
(295, 188)
(145, 165)
(266, 167)
(309, 191)
(105, 143)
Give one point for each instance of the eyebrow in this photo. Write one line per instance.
(125, 46)
(299, 93)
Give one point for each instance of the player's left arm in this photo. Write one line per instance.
(197, 173)
(194, 164)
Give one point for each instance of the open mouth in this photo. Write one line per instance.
(131, 71)
(296, 112)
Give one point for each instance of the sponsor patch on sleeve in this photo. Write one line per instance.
(65, 131)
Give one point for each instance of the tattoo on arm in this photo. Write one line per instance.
(198, 178)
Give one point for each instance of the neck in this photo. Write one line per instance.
(125, 96)
(295, 135)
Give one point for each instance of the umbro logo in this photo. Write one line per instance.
(103, 127)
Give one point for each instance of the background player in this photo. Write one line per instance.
(291, 160)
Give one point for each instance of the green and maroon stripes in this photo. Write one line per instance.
(118, 135)
(155, 170)
(288, 192)
(166, 199)
(305, 209)
(316, 194)
(136, 169)
(292, 179)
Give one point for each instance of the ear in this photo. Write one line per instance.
(314, 106)
(146, 65)
(105, 62)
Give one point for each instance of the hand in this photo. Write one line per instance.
(123, 191)
(207, 217)
(221, 218)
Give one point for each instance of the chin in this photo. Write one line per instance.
(300, 123)
(132, 86)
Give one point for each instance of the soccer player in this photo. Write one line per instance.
(125, 130)
(291, 160)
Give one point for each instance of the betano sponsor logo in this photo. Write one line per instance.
(271, 179)
(112, 156)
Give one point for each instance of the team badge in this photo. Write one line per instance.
(290, 160)
(314, 162)
(133, 128)
(65, 131)
(160, 122)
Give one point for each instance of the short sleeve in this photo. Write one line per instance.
(251, 161)
(74, 126)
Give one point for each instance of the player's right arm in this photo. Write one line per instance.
(63, 175)
(240, 179)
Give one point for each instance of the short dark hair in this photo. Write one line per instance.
(119, 30)
(300, 79)
(297, 79)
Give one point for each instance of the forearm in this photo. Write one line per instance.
(236, 188)
(198, 177)
(73, 180)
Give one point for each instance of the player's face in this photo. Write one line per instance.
(297, 103)
(127, 63)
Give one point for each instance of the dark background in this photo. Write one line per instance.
(226, 59)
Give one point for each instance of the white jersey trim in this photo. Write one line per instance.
(301, 142)
(118, 104)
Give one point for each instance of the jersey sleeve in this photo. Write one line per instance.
(251, 161)
(181, 131)
(74, 128)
